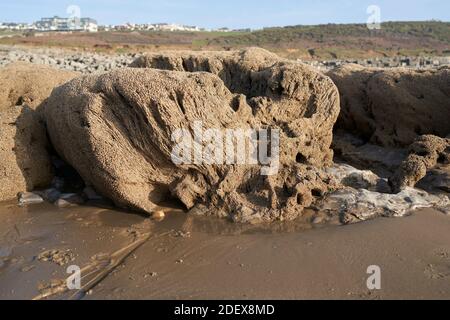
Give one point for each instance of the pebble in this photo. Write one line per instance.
(151, 274)
(68, 200)
(29, 198)
(50, 195)
(158, 215)
(27, 268)
(318, 220)
(58, 183)
(182, 234)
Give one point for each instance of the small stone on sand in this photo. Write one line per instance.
(158, 215)
(29, 198)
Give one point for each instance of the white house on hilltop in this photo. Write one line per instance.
(67, 24)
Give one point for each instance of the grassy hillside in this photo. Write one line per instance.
(349, 40)
(306, 42)
(439, 31)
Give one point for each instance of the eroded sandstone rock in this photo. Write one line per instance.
(116, 131)
(424, 154)
(25, 164)
(392, 107)
(292, 96)
(30, 84)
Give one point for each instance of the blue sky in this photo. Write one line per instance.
(228, 13)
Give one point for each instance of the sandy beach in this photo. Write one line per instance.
(189, 257)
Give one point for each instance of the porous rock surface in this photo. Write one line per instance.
(26, 83)
(24, 161)
(424, 154)
(115, 130)
(392, 107)
(281, 92)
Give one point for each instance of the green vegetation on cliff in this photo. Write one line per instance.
(307, 42)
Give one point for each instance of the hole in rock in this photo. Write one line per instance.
(300, 158)
(179, 98)
(236, 103)
(422, 153)
(312, 107)
(19, 101)
(299, 199)
(67, 179)
(66, 176)
(443, 159)
(287, 191)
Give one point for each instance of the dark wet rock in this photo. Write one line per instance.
(58, 183)
(91, 194)
(50, 195)
(436, 180)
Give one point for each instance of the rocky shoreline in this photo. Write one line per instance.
(90, 62)
(84, 62)
(424, 63)
(109, 134)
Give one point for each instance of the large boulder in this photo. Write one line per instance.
(117, 131)
(302, 102)
(25, 164)
(392, 107)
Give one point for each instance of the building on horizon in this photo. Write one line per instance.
(151, 27)
(59, 24)
(66, 24)
(15, 26)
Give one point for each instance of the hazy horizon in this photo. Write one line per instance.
(232, 13)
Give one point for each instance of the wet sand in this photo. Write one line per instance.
(188, 257)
